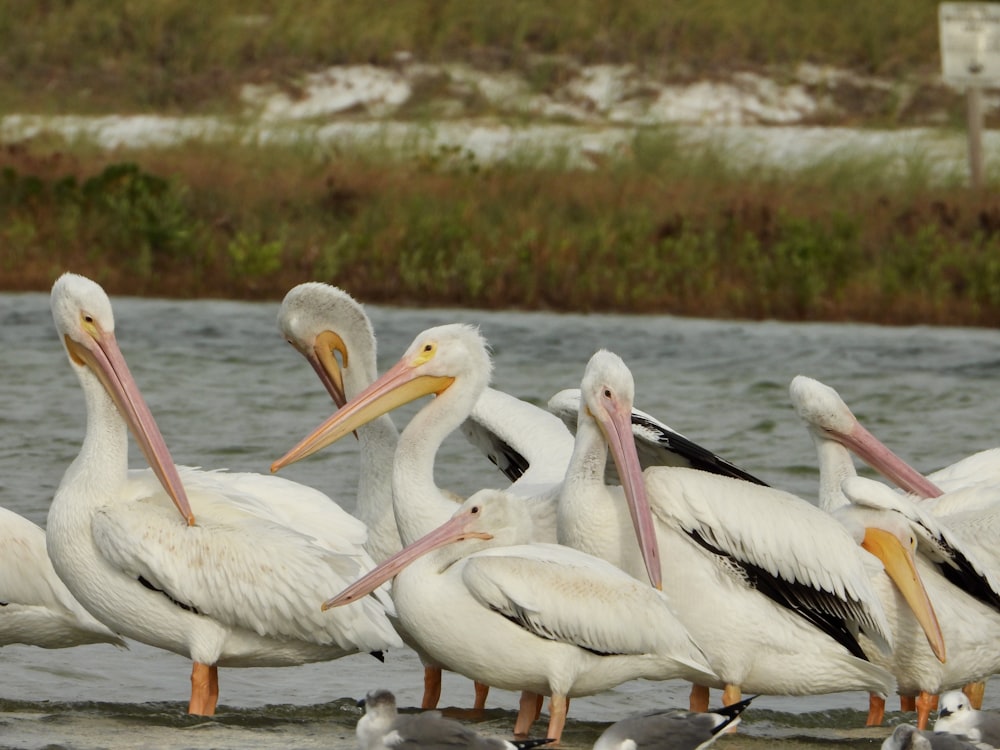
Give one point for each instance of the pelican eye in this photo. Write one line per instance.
(607, 393)
(426, 354)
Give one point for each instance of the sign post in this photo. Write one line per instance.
(970, 57)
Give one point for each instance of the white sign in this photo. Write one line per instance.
(970, 43)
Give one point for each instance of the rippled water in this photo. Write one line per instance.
(228, 392)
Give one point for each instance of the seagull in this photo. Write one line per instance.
(382, 728)
(672, 729)
(957, 716)
(908, 737)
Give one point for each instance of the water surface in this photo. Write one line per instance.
(228, 392)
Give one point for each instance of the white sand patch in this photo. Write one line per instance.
(593, 118)
(746, 100)
(377, 91)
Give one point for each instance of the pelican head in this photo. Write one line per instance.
(490, 518)
(828, 417)
(323, 322)
(607, 392)
(435, 360)
(888, 534)
(82, 314)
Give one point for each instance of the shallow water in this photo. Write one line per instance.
(227, 392)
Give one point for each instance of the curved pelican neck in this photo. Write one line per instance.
(588, 511)
(92, 481)
(835, 465)
(378, 440)
(586, 467)
(102, 463)
(418, 503)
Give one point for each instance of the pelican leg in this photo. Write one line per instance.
(925, 704)
(558, 706)
(202, 703)
(699, 698)
(731, 694)
(876, 710)
(975, 691)
(213, 688)
(528, 710)
(481, 692)
(432, 687)
(907, 703)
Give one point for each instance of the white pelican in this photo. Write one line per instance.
(528, 444)
(453, 363)
(672, 729)
(36, 608)
(323, 322)
(909, 737)
(957, 716)
(970, 511)
(241, 587)
(959, 585)
(775, 590)
(541, 618)
(829, 418)
(383, 728)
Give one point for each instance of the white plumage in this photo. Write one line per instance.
(527, 443)
(236, 578)
(774, 590)
(36, 608)
(538, 617)
(957, 581)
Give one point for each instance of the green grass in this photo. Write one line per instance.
(189, 55)
(665, 229)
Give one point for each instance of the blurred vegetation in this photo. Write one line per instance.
(192, 56)
(662, 230)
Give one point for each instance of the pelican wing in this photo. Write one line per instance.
(564, 595)
(300, 507)
(655, 442)
(36, 605)
(528, 444)
(241, 569)
(979, 467)
(789, 549)
(26, 574)
(951, 541)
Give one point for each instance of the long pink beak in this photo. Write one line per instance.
(455, 529)
(616, 424)
(873, 452)
(101, 353)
